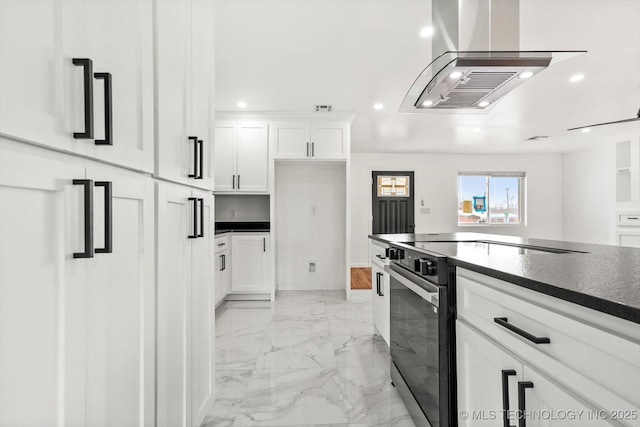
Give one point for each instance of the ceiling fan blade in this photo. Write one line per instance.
(635, 119)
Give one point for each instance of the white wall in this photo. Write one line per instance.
(310, 225)
(589, 192)
(245, 207)
(436, 183)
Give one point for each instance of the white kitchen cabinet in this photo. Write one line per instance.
(185, 320)
(222, 266)
(42, 93)
(575, 370)
(250, 263)
(241, 156)
(184, 97)
(380, 282)
(77, 334)
(311, 140)
(487, 373)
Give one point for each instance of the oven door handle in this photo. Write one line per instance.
(431, 297)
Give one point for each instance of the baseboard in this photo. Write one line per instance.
(248, 297)
(361, 265)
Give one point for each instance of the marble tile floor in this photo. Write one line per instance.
(307, 359)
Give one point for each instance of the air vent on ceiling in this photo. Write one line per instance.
(326, 108)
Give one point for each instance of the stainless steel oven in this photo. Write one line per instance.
(421, 336)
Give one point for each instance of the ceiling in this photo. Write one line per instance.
(289, 55)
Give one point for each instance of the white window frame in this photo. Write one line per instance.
(521, 198)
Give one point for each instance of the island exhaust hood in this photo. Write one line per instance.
(477, 58)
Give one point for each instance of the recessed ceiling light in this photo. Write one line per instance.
(242, 104)
(586, 130)
(483, 104)
(427, 103)
(525, 74)
(426, 32)
(456, 74)
(576, 78)
(477, 129)
(378, 106)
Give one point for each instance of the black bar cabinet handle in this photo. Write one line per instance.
(200, 159)
(506, 373)
(87, 64)
(522, 386)
(379, 284)
(201, 234)
(313, 149)
(264, 244)
(195, 157)
(234, 182)
(108, 113)
(504, 322)
(307, 149)
(195, 218)
(108, 217)
(88, 218)
(238, 182)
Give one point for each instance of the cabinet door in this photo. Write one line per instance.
(546, 398)
(120, 305)
(225, 156)
(250, 263)
(41, 288)
(329, 141)
(119, 38)
(202, 85)
(174, 224)
(291, 140)
(41, 91)
(253, 158)
(202, 314)
(219, 286)
(480, 371)
(378, 300)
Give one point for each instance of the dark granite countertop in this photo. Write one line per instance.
(601, 277)
(222, 227)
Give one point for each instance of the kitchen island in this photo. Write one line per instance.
(542, 332)
(601, 277)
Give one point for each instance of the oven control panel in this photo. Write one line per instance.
(429, 266)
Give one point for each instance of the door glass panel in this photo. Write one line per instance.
(393, 186)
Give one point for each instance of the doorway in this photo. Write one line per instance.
(392, 194)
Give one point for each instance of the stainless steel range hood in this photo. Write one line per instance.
(477, 58)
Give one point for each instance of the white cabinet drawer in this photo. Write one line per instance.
(222, 243)
(628, 218)
(599, 363)
(378, 253)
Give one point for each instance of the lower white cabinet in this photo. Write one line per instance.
(558, 363)
(250, 263)
(76, 333)
(185, 320)
(223, 268)
(381, 302)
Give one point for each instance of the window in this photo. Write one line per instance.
(393, 186)
(490, 198)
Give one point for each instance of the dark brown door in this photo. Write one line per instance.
(393, 202)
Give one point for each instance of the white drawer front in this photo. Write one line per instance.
(629, 218)
(602, 365)
(222, 243)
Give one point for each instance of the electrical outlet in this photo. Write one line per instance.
(233, 213)
(312, 267)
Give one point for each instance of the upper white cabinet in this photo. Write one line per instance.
(241, 156)
(310, 140)
(78, 307)
(184, 98)
(250, 263)
(83, 69)
(185, 286)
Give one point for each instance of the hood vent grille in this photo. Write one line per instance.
(472, 88)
